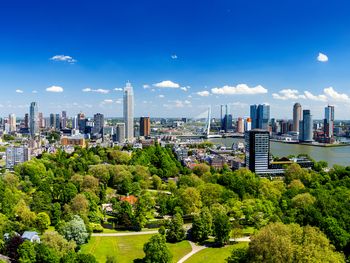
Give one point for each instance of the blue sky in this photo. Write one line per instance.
(180, 56)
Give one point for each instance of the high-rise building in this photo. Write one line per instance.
(52, 121)
(33, 119)
(248, 124)
(128, 105)
(16, 155)
(145, 126)
(41, 120)
(64, 120)
(226, 120)
(98, 124)
(257, 151)
(296, 116)
(81, 122)
(306, 127)
(75, 125)
(240, 125)
(26, 121)
(12, 123)
(329, 121)
(260, 115)
(120, 133)
(57, 122)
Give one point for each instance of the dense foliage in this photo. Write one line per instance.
(145, 187)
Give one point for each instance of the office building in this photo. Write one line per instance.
(226, 120)
(260, 115)
(297, 110)
(41, 120)
(128, 112)
(145, 126)
(57, 122)
(16, 155)
(64, 120)
(119, 136)
(33, 119)
(81, 122)
(257, 151)
(75, 123)
(329, 122)
(306, 127)
(240, 125)
(73, 141)
(12, 123)
(26, 121)
(98, 124)
(248, 124)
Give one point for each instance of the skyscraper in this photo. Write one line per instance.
(260, 115)
(248, 124)
(26, 121)
(81, 122)
(12, 122)
(41, 120)
(296, 116)
(329, 121)
(240, 125)
(120, 133)
(57, 122)
(64, 120)
(128, 112)
(306, 127)
(33, 119)
(145, 126)
(98, 123)
(257, 151)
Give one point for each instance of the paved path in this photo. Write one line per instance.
(195, 249)
(124, 234)
(240, 239)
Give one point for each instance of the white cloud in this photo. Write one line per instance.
(161, 96)
(184, 88)
(19, 91)
(322, 57)
(166, 84)
(240, 89)
(102, 91)
(118, 89)
(107, 101)
(63, 58)
(146, 86)
(34, 91)
(56, 89)
(310, 96)
(288, 94)
(174, 56)
(203, 93)
(178, 104)
(335, 96)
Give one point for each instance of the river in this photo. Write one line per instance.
(332, 155)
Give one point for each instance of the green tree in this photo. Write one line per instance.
(202, 225)
(26, 252)
(156, 250)
(75, 230)
(45, 254)
(175, 231)
(277, 242)
(222, 228)
(42, 221)
(58, 243)
(238, 255)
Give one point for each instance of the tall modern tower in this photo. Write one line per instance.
(128, 111)
(260, 116)
(329, 121)
(257, 151)
(306, 127)
(33, 119)
(296, 116)
(145, 126)
(254, 115)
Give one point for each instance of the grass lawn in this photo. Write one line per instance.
(128, 248)
(214, 255)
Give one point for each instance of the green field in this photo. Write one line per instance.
(214, 255)
(128, 248)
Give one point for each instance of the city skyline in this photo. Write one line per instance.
(180, 66)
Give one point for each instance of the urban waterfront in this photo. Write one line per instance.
(332, 155)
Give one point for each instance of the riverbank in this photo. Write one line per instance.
(316, 144)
